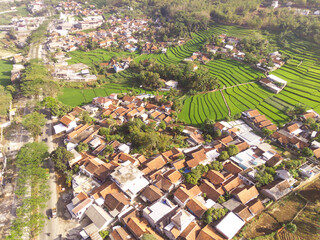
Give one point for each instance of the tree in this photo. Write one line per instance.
(61, 157)
(267, 132)
(217, 133)
(221, 199)
(148, 237)
(108, 150)
(34, 122)
(162, 125)
(223, 156)
(216, 165)
(82, 147)
(36, 80)
(208, 138)
(307, 152)
(219, 213)
(86, 118)
(56, 107)
(263, 178)
(104, 131)
(233, 150)
(291, 227)
(178, 129)
(104, 234)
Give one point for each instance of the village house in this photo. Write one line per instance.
(129, 179)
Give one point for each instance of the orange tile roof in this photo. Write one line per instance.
(233, 168)
(191, 232)
(309, 115)
(215, 177)
(81, 205)
(209, 233)
(156, 163)
(242, 146)
(293, 127)
(317, 152)
(272, 127)
(253, 113)
(173, 175)
(247, 193)
(255, 206)
(232, 183)
(196, 207)
(210, 190)
(66, 119)
(227, 139)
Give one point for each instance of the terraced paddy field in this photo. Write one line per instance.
(231, 72)
(199, 107)
(302, 73)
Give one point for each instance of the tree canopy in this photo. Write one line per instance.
(34, 122)
(37, 81)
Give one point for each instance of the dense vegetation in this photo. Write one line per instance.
(37, 81)
(32, 191)
(181, 18)
(149, 73)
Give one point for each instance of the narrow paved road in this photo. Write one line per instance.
(51, 229)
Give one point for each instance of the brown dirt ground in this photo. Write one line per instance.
(282, 212)
(273, 218)
(312, 192)
(308, 223)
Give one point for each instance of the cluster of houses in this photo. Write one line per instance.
(297, 11)
(298, 135)
(77, 9)
(35, 6)
(23, 26)
(230, 46)
(133, 195)
(273, 83)
(120, 32)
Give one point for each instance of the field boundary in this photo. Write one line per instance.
(225, 102)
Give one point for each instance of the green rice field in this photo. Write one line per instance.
(302, 74)
(5, 73)
(95, 56)
(77, 97)
(231, 72)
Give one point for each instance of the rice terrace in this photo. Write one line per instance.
(237, 81)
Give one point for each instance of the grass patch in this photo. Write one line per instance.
(96, 56)
(5, 73)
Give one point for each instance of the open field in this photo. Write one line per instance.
(283, 211)
(5, 73)
(96, 56)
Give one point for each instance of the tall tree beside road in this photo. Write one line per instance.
(61, 156)
(34, 122)
(5, 99)
(32, 191)
(37, 81)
